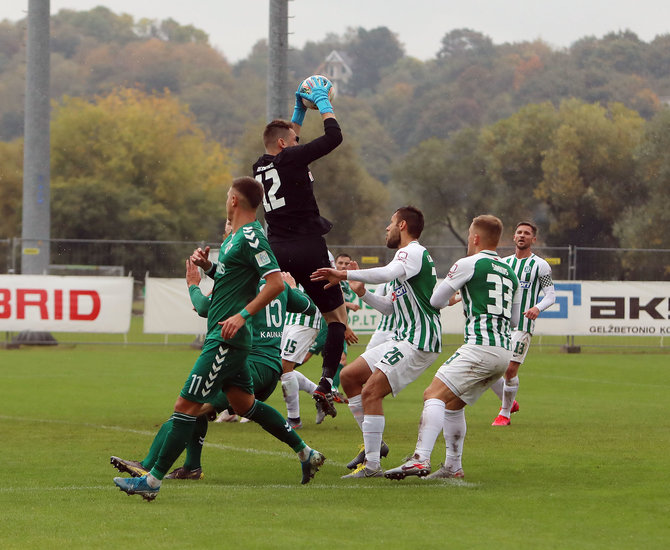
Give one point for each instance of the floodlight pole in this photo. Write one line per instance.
(277, 60)
(36, 229)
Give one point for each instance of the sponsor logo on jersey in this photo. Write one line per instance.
(262, 258)
(399, 292)
(524, 284)
(269, 334)
(402, 256)
(452, 271)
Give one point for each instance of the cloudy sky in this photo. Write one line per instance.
(235, 25)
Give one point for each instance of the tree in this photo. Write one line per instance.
(444, 178)
(589, 172)
(513, 151)
(465, 42)
(644, 225)
(135, 166)
(372, 52)
(11, 188)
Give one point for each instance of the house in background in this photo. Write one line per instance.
(337, 67)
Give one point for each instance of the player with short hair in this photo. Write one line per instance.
(534, 274)
(489, 292)
(296, 228)
(264, 365)
(245, 257)
(391, 366)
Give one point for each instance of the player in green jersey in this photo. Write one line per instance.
(394, 364)
(534, 274)
(264, 365)
(244, 258)
(489, 292)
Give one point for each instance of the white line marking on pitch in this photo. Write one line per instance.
(219, 447)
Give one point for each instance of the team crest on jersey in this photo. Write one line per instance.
(250, 235)
(262, 258)
(452, 271)
(228, 247)
(220, 268)
(527, 269)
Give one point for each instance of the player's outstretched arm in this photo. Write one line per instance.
(299, 111)
(333, 276)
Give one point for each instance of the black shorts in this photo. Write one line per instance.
(301, 258)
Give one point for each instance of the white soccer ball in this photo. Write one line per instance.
(306, 88)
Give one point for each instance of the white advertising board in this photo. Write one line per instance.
(581, 308)
(168, 308)
(65, 304)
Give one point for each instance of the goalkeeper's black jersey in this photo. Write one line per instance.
(290, 207)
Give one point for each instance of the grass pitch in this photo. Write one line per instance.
(584, 464)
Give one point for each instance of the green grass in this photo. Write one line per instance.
(584, 465)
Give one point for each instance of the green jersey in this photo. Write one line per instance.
(267, 325)
(244, 258)
(488, 287)
(534, 274)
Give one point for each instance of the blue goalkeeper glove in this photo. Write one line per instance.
(319, 94)
(299, 110)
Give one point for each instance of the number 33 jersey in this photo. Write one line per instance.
(488, 288)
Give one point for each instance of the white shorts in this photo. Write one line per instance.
(379, 337)
(472, 370)
(399, 361)
(520, 345)
(296, 341)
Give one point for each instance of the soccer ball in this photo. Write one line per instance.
(306, 88)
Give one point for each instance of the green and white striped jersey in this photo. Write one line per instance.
(488, 286)
(300, 319)
(417, 321)
(534, 274)
(387, 322)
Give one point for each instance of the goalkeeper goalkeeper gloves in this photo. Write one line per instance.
(299, 110)
(319, 94)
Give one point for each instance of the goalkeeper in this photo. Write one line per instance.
(296, 228)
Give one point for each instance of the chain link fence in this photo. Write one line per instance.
(166, 259)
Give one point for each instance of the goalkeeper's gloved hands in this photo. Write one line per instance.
(320, 89)
(299, 110)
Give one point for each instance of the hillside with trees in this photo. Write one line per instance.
(149, 115)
